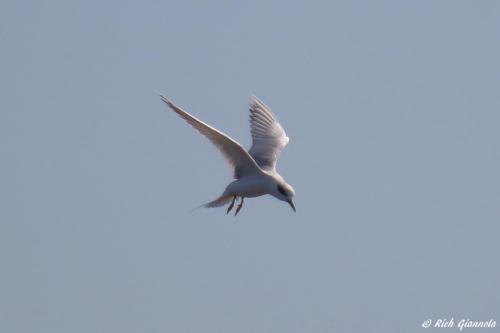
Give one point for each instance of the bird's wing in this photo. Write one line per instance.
(234, 153)
(268, 137)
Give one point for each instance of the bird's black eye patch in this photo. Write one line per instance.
(282, 190)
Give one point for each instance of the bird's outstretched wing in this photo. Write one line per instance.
(268, 136)
(234, 153)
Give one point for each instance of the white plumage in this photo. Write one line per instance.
(255, 170)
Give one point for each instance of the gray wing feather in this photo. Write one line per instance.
(268, 137)
(234, 153)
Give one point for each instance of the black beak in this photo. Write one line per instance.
(291, 204)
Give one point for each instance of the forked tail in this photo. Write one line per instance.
(220, 201)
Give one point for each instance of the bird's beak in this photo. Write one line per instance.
(291, 204)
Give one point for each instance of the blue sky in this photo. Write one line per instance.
(392, 111)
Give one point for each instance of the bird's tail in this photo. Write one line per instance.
(220, 201)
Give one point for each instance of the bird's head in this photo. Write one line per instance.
(284, 192)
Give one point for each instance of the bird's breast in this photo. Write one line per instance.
(251, 187)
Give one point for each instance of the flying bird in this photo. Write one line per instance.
(254, 171)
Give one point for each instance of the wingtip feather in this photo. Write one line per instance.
(168, 102)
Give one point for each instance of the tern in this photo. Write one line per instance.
(254, 171)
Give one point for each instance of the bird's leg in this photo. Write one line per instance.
(231, 205)
(239, 207)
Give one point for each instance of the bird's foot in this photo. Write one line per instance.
(231, 205)
(239, 207)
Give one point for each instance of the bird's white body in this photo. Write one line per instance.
(255, 170)
(251, 186)
(248, 187)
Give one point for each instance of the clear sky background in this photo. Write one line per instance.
(393, 114)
